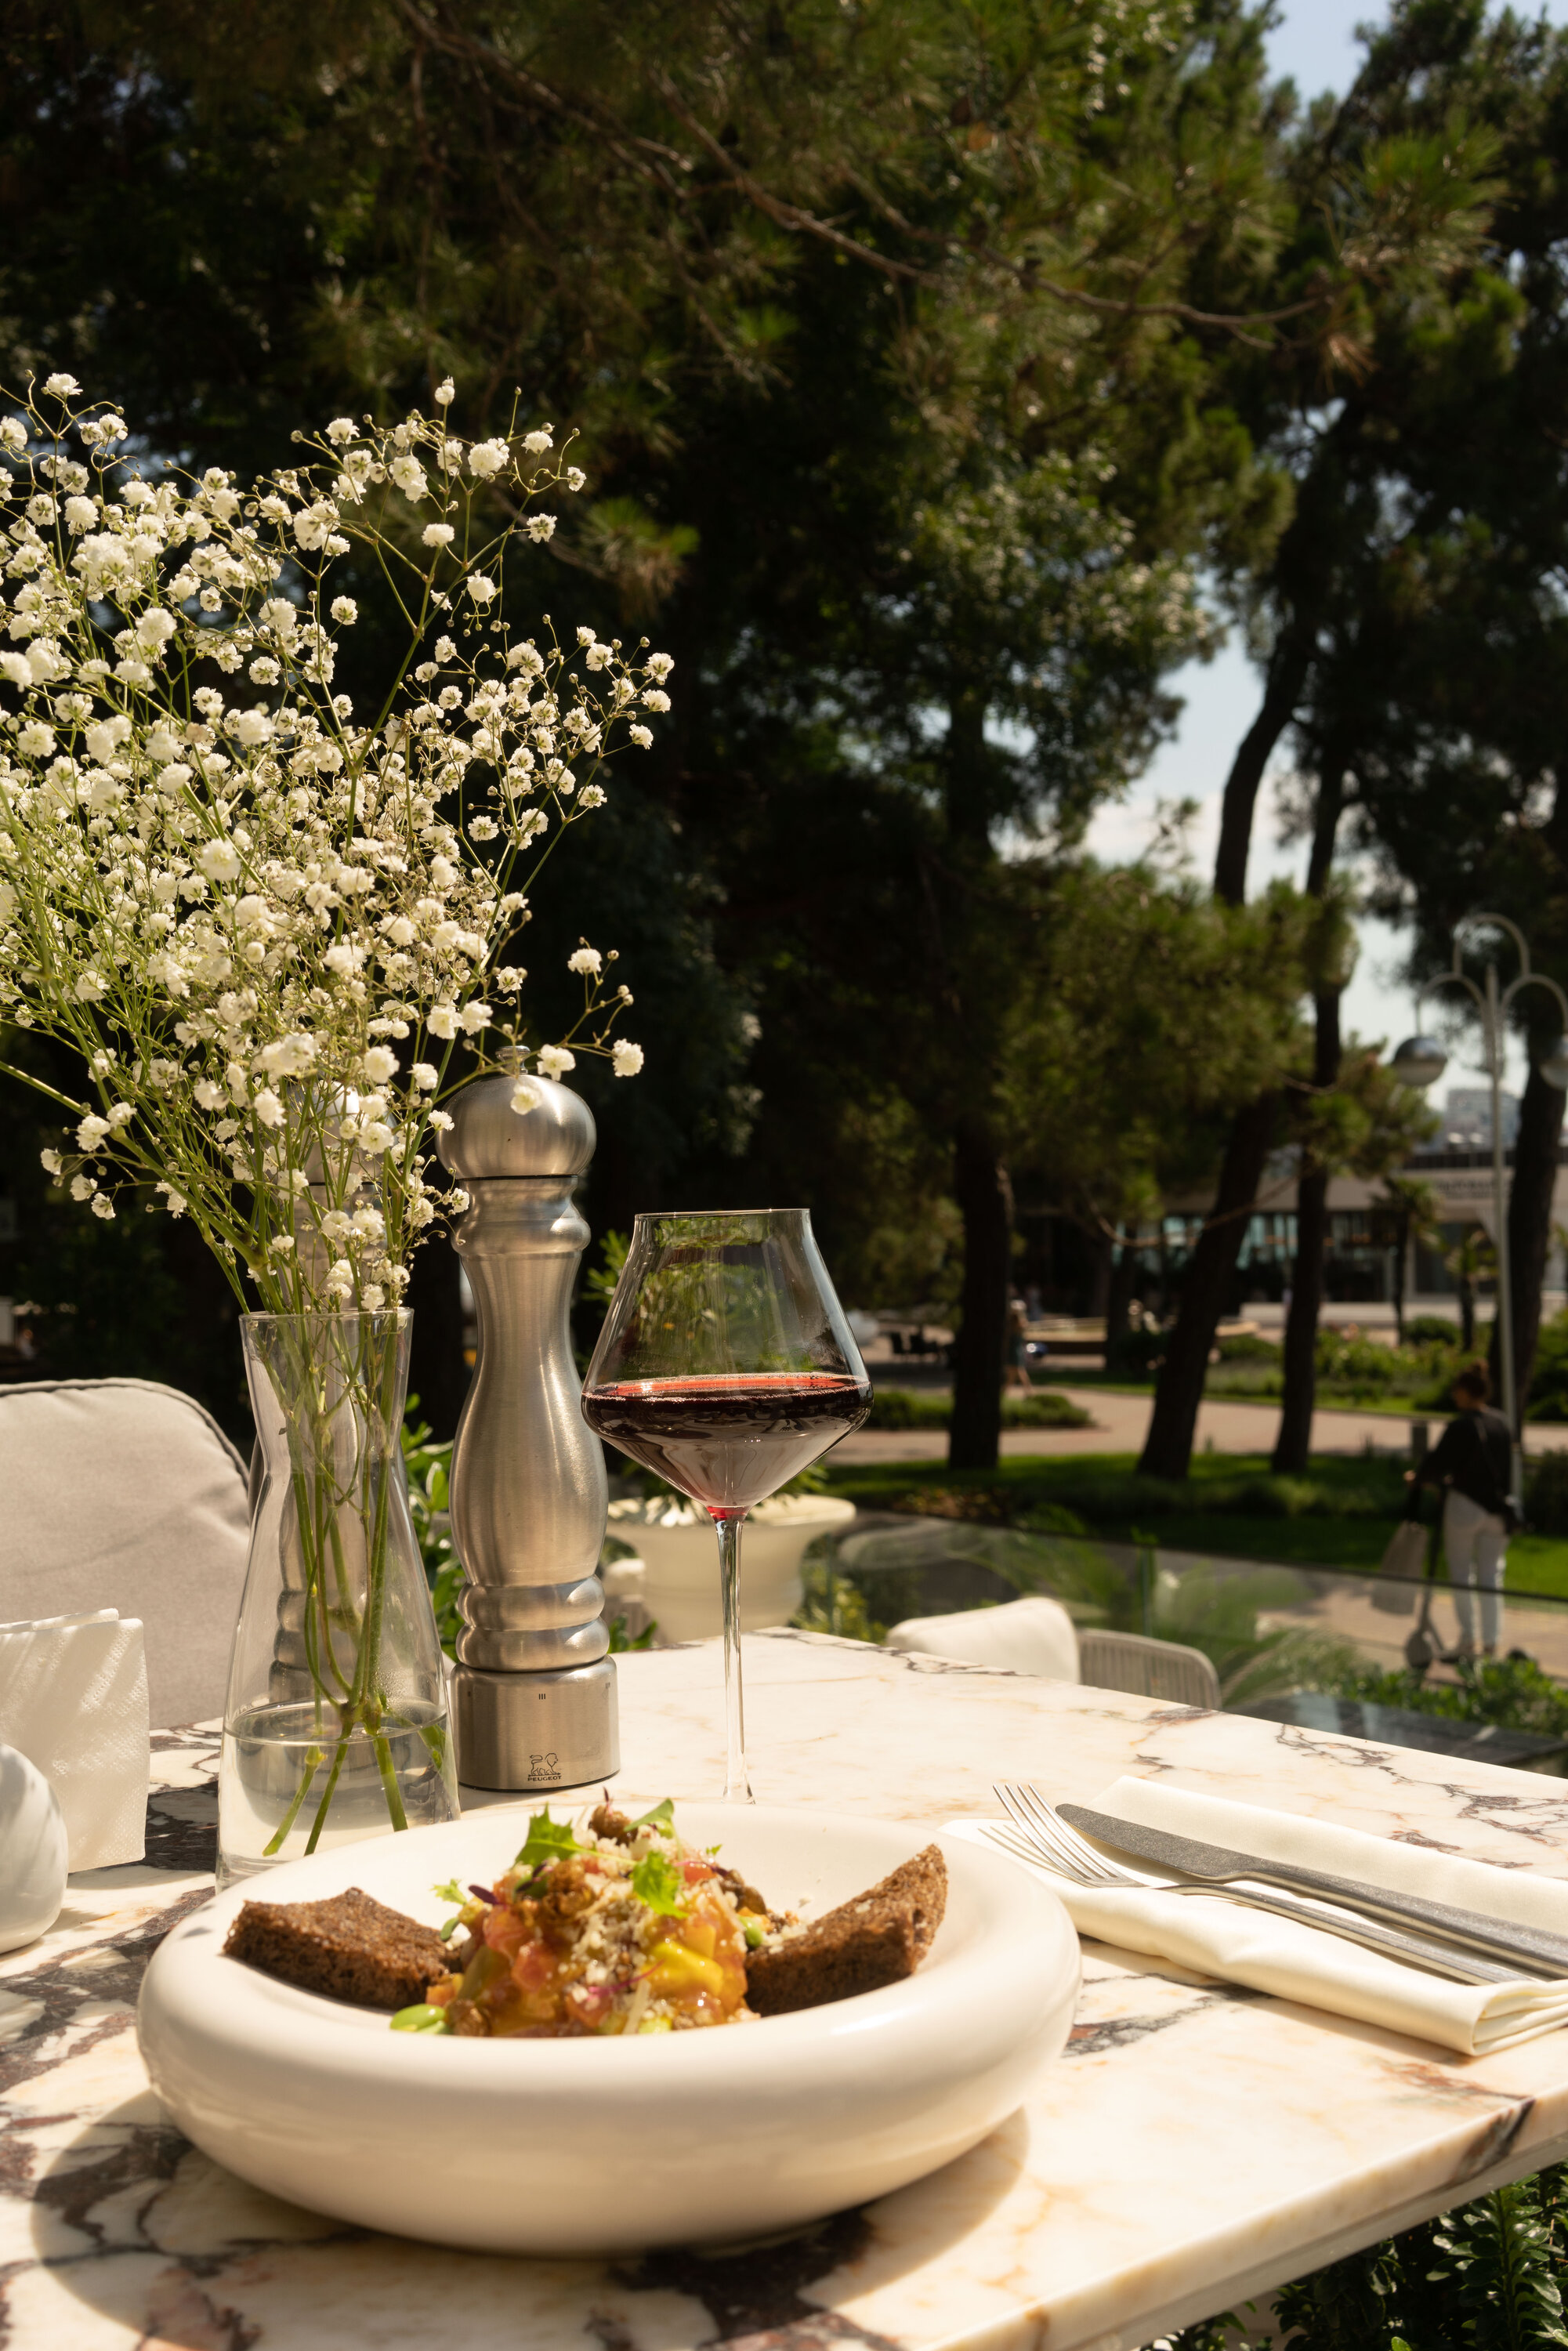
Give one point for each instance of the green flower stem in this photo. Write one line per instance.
(314, 1759)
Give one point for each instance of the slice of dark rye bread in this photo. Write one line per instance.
(878, 1938)
(351, 1948)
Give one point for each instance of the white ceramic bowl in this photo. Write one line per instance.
(564, 2147)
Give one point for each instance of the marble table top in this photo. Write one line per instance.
(1197, 2142)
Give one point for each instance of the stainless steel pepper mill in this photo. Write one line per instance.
(535, 1686)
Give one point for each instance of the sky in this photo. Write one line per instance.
(1314, 44)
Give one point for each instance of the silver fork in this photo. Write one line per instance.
(1040, 1833)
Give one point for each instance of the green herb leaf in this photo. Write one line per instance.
(658, 1882)
(662, 1817)
(547, 1840)
(451, 1891)
(422, 2018)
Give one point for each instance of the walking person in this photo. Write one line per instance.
(1017, 1374)
(1473, 1460)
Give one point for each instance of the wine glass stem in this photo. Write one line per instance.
(736, 1786)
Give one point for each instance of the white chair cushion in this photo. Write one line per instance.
(1032, 1636)
(122, 1494)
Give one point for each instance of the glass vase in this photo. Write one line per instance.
(336, 1724)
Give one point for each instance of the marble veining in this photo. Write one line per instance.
(1192, 2131)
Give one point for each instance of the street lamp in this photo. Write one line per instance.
(1421, 1060)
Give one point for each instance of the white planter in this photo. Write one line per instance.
(676, 1542)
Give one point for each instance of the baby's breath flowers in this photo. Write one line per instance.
(269, 923)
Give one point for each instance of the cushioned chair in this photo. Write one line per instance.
(1032, 1636)
(122, 1494)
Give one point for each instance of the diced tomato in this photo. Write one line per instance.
(590, 2003)
(533, 1967)
(504, 1931)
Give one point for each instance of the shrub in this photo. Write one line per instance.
(1431, 1331)
(1546, 1494)
(1250, 1347)
(1359, 1364)
(1271, 1498)
(1045, 1410)
(907, 1408)
(1483, 2277)
(1512, 1693)
(1549, 1384)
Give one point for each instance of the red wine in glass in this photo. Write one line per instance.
(731, 1438)
(726, 1366)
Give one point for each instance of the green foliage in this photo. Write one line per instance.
(1546, 1492)
(1108, 1497)
(1512, 1692)
(428, 1468)
(1115, 1093)
(832, 1602)
(1250, 1347)
(622, 1641)
(1045, 1410)
(1549, 1384)
(1431, 1331)
(909, 1408)
(547, 1840)
(1483, 2277)
(656, 1881)
(1351, 1370)
(598, 1282)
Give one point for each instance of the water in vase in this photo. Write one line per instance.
(278, 1768)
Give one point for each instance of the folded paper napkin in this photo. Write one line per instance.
(1220, 1937)
(73, 1699)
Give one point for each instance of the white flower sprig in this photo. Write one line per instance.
(266, 922)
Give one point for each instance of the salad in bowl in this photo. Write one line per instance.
(611, 1927)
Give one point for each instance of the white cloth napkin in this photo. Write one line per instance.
(73, 1699)
(1216, 1936)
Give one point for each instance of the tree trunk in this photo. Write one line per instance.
(1401, 1258)
(1467, 1315)
(1281, 692)
(1292, 1446)
(1529, 1226)
(985, 1198)
(1179, 1390)
(1100, 1288)
(1167, 1449)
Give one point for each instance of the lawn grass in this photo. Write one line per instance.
(1340, 1515)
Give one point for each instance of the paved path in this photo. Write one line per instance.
(1120, 1421)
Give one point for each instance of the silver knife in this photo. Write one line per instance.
(1531, 1945)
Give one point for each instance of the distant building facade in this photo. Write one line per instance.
(1072, 1272)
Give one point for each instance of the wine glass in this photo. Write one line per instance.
(725, 1365)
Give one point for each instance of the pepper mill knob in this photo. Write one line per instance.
(535, 1689)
